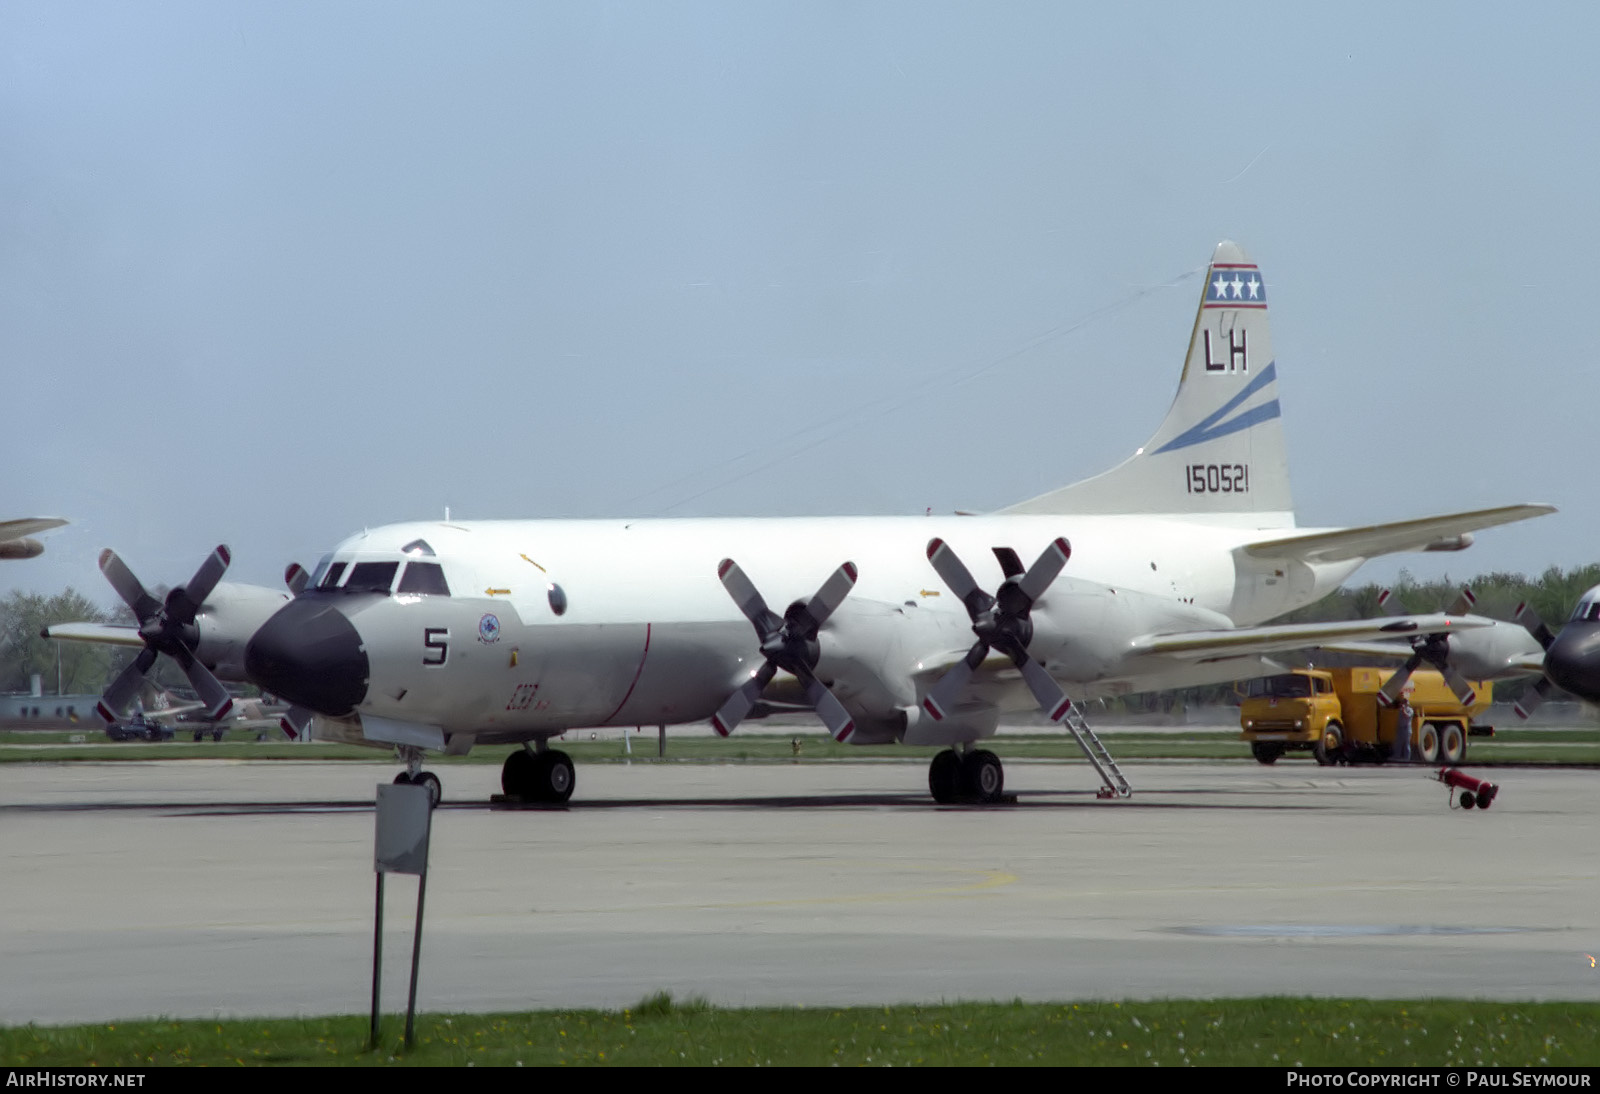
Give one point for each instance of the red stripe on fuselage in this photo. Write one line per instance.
(636, 674)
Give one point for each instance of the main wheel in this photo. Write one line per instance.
(430, 782)
(944, 777)
(1428, 743)
(517, 775)
(554, 777)
(1330, 746)
(403, 779)
(1266, 752)
(984, 777)
(1452, 744)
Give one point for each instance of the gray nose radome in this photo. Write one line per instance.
(310, 654)
(1573, 660)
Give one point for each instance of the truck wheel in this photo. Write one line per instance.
(1330, 747)
(1265, 752)
(1452, 744)
(1428, 743)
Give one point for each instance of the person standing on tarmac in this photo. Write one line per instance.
(1403, 727)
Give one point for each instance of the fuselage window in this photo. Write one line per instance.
(331, 578)
(425, 578)
(371, 577)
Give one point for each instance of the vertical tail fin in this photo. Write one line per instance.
(1220, 451)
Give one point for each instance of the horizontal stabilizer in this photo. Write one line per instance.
(1293, 636)
(1345, 544)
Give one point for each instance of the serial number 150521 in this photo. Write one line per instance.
(1218, 478)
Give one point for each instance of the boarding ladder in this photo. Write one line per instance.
(1114, 783)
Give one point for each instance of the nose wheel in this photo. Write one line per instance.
(546, 777)
(425, 779)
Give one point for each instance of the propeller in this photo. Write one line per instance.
(1432, 649)
(295, 576)
(167, 627)
(1533, 698)
(1001, 622)
(788, 643)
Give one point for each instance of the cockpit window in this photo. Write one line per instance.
(424, 578)
(417, 547)
(371, 577)
(1588, 609)
(331, 578)
(322, 568)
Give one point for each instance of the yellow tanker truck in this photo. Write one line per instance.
(1337, 716)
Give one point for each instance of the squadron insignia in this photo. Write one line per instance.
(489, 629)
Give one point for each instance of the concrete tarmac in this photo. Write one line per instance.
(213, 888)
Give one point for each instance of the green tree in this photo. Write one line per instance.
(84, 668)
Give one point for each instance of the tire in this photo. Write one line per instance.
(430, 782)
(944, 777)
(1468, 801)
(1428, 743)
(1265, 752)
(554, 777)
(403, 779)
(1452, 744)
(1330, 746)
(983, 776)
(517, 775)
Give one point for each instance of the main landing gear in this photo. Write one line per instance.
(545, 776)
(975, 776)
(413, 775)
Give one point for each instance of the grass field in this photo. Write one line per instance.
(658, 1031)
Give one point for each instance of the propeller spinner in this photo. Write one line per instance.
(167, 627)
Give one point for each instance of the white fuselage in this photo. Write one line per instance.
(646, 634)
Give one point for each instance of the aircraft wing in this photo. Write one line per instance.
(115, 634)
(1529, 663)
(1293, 636)
(1449, 532)
(29, 526)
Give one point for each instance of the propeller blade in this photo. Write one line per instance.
(296, 723)
(958, 579)
(1535, 626)
(1465, 695)
(1532, 700)
(1464, 602)
(1051, 699)
(739, 704)
(1045, 570)
(832, 594)
(126, 686)
(829, 709)
(128, 587)
(211, 691)
(200, 585)
(941, 698)
(296, 578)
(1010, 564)
(749, 601)
(1389, 694)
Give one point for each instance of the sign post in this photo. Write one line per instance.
(404, 823)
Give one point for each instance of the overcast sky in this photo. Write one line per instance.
(272, 273)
